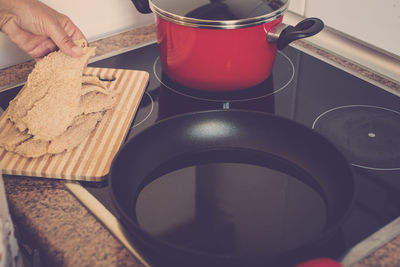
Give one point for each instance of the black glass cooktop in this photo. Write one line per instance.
(362, 120)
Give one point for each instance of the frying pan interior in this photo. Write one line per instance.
(231, 136)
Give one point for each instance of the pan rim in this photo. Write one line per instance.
(327, 233)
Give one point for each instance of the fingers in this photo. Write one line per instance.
(36, 46)
(63, 36)
(44, 47)
(37, 29)
(72, 30)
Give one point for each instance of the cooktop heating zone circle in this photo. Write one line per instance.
(282, 75)
(367, 135)
(144, 110)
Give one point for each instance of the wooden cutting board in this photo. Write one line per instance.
(91, 160)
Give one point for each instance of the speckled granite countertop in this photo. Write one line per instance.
(52, 220)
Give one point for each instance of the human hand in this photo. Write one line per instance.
(38, 29)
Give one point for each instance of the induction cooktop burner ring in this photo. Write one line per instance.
(148, 114)
(371, 135)
(286, 82)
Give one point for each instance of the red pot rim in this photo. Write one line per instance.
(217, 24)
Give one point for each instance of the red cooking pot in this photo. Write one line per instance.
(222, 45)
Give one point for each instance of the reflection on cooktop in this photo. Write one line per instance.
(361, 119)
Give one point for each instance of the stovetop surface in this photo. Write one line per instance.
(362, 120)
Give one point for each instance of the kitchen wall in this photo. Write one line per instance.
(375, 23)
(297, 6)
(96, 18)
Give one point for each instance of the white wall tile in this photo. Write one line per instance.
(297, 6)
(374, 22)
(10, 54)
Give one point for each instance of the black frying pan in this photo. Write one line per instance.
(231, 136)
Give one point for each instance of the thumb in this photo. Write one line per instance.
(64, 42)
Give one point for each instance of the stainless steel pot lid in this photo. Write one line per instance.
(224, 14)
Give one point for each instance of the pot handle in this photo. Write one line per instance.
(284, 35)
(142, 6)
